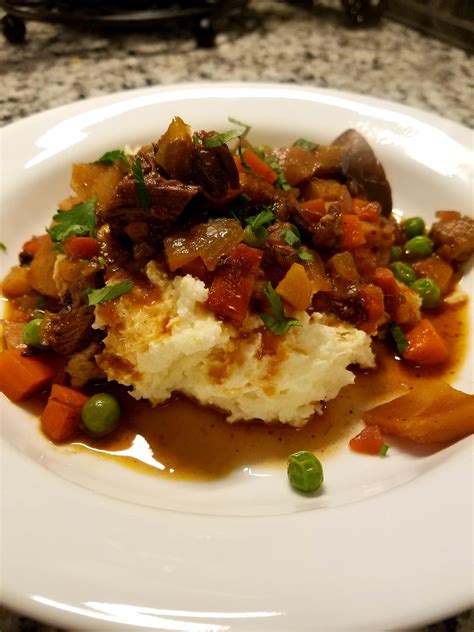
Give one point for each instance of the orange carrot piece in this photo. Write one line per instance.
(62, 416)
(368, 441)
(81, 247)
(385, 280)
(69, 396)
(425, 345)
(22, 376)
(352, 234)
(59, 421)
(256, 165)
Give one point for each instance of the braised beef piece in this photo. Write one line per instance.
(327, 232)
(82, 366)
(258, 190)
(454, 238)
(68, 331)
(214, 170)
(278, 256)
(358, 163)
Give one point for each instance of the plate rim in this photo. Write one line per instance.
(455, 128)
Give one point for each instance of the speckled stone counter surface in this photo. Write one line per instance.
(273, 41)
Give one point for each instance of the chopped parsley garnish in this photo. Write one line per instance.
(242, 159)
(275, 319)
(291, 236)
(399, 338)
(305, 144)
(109, 292)
(246, 127)
(101, 261)
(221, 139)
(80, 221)
(116, 155)
(384, 449)
(280, 182)
(3, 248)
(143, 196)
(266, 216)
(304, 255)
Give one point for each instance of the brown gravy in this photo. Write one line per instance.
(181, 439)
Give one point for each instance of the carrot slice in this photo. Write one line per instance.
(372, 301)
(81, 247)
(385, 280)
(256, 165)
(366, 211)
(352, 234)
(425, 345)
(317, 205)
(368, 441)
(22, 376)
(62, 415)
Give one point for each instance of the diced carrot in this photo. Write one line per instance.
(352, 234)
(425, 345)
(317, 205)
(22, 376)
(233, 284)
(385, 280)
(195, 268)
(366, 211)
(81, 247)
(373, 303)
(256, 165)
(62, 415)
(436, 269)
(32, 246)
(368, 441)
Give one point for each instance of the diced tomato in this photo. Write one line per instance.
(366, 211)
(368, 441)
(352, 234)
(81, 247)
(372, 300)
(385, 280)
(233, 284)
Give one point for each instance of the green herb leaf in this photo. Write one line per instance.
(78, 222)
(109, 292)
(291, 236)
(280, 182)
(3, 248)
(242, 159)
(221, 139)
(305, 144)
(244, 198)
(399, 338)
(384, 449)
(116, 155)
(143, 196)
(275, 320)
(101, 261)
(266, 216)
(246, 127)
(304, 255)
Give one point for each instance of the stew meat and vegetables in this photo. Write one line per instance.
(270, 232)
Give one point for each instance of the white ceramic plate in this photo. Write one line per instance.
(89, 544)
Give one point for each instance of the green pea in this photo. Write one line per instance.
(305, 471)
(403, 272)
(100, 414)
(419, 246)
(255, 238)
(429, 292)
(395, 253)
(31, 333)
(413, 226)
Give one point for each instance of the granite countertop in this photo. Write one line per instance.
(274, 41)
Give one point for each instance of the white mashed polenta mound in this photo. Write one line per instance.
(170, 343)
